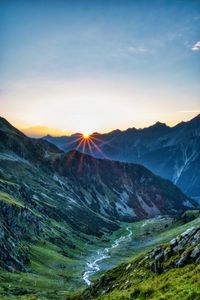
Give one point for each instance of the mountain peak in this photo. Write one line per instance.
(6, 126)
(157, 127)
(116, 131)
(159, 124)
(4, 122)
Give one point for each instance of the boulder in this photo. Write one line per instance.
(196, 252)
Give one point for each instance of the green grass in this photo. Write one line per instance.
(177, 284)
(144, 239)
(10, 200)
(3, 181)
(50, 277)
(140, 283)
(54, 273)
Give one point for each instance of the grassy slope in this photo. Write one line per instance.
(53, 275)
(138, 283)
(130, 281)
(52, 269)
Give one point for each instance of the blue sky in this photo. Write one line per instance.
(99, 65)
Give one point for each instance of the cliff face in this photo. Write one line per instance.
(17, 225)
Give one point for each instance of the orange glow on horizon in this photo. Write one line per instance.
(86, 136)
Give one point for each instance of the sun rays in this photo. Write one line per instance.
(87, 144)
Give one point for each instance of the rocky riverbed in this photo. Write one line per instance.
(93, 264)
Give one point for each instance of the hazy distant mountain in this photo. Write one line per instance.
(46, 193)
(171, 152)
(40, 131)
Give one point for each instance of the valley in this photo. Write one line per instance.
(169, 271)
(45, 282)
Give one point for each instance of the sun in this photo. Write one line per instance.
(86, 136)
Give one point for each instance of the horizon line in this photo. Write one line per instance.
(59, 131)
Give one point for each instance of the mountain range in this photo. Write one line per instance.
(170, 152)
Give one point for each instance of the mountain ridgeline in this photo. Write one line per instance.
(170, 152)
(111, 189)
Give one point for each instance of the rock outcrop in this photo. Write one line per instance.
(180, 251)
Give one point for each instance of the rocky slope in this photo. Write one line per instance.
(171, 152)
(167, 271)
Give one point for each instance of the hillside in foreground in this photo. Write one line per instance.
(169, 271)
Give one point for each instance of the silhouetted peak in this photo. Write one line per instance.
(159, 125)
(131, 129)
(4, 123)
(116, 131)
(6, 126)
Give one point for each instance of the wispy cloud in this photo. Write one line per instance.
(189, 111)
(137, 49)
(196, 47)
(129, 51)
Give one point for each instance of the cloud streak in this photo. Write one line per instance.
(196, 47)
(189, 111)
(135, 50)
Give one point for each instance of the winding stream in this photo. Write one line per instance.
(93, 265)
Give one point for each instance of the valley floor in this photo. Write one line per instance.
(43, 283)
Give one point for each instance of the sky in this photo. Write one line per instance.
(91, 65)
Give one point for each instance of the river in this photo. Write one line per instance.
(92, 266)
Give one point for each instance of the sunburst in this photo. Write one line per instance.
(86, 136)
(87, 144)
